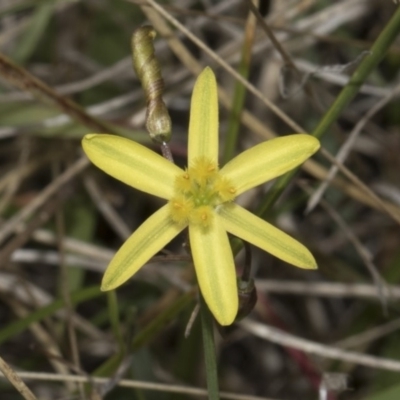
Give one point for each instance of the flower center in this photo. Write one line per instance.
(198, 191)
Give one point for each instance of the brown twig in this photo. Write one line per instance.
(16, 381)
(280, 337)
(12, 224)
(21, 78)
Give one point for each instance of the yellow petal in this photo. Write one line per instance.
(144, 243)
(252, 229)
(268, 160)
(132, 163)
(215, 270)
(203, 125)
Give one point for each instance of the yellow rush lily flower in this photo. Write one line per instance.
(202, 199)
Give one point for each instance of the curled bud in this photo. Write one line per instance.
(147, 68)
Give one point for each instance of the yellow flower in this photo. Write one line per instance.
(201, 198)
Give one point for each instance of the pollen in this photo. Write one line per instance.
(202, 216)
(203, 170)
(183, 183)
(180, 209)
(226, 191)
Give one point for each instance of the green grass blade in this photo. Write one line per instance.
(19, 326)
(146, 334)
(377, 52)
(35, 30)
(239, 92)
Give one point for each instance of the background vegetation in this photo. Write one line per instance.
(65, 68)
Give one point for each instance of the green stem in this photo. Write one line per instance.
(239, 92)
(207, 327)
(113, 311)
(377, 52)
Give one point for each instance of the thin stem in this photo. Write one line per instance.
(207, 327)
(166, 152)
(113, 311)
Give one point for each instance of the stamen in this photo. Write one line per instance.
(200, 191)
